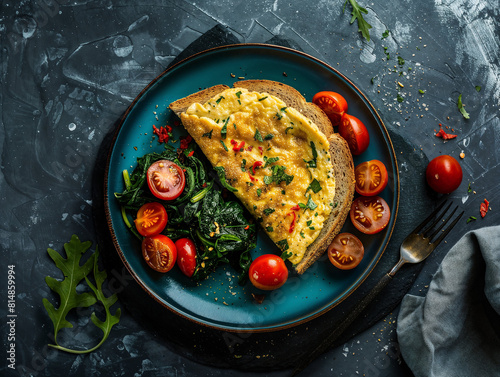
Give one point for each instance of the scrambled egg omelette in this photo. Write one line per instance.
(276, 159)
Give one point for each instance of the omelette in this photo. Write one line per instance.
(276, 160)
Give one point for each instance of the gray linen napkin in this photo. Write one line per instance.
(455, 329)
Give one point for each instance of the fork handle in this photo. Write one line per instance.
(343, 325)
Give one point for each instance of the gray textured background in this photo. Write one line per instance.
(69, 69)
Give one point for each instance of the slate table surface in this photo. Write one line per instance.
(69, 70)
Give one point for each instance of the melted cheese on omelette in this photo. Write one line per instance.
(274, 157)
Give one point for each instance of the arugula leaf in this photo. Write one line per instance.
(74, 273)
(107, 302)
(461, 107)
(357, 13)
(66, 289)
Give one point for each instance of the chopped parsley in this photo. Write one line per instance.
(269, 161)
(268, 137)
(268, 211)
(278, 176)
(401, 61)
(399, 98)
(478, 88)
(309, 222)
(461, 107)
(312, 163)
(223, 131)
(385, 34)
(208, 134)
(220, 99)
(421, 91)
(238, 94)
(257, 135)
(309, 205)
(269, 229)
(243, 165)
(315, 186)
(259, 191)
(224, 145)
(283, 244)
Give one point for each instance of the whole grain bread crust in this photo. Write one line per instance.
(339, 152)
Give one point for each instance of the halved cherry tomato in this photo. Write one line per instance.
(371, 177)
(355, 132)
(346, 251)
(151, 219)
(186, 256)
(159, 252)
(444, 174)
(370, 214)
(166, 180)
(333, 104)
(268, 272)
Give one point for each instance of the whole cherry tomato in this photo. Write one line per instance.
(371, 177)
(346, 251)
(159, 252)
(166, 180)
(370, 214)
(444, 174)
(268, 272)
(333, 104)
(355, 132)
(186, 256)
(151, 219)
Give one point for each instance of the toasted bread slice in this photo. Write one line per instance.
(338, 149)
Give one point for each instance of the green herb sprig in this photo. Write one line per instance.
(69, 298)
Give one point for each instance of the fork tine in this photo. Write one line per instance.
(447, 230)
(424, 223)
(443, 222)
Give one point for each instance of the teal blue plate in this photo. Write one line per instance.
(219, 301)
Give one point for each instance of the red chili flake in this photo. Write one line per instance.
(484, 207)
(177, 122)
(185, 141)
(292, 225)
(190, 153)
(238, 148)
(233, 142)
(204, 185)
(255, 165)
(261, 150)
(252, 178)
(442, 134)
(247, 227)
(249, 148)
(295, 208)
(162, 132)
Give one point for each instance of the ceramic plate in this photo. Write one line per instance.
(219, 301)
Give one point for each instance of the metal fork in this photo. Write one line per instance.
(417, 246)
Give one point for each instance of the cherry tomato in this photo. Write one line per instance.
(159, 252)
(151, 219)
(186, 256)
(346, 251)
(371, 177)
(166, 180)
(444, 174)
(268, 272)
(333, 104)
(370, 214)
(355, 132)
